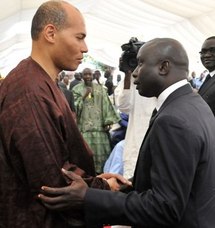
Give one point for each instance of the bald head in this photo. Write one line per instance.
(161, 63)
(58, 37)
(167, 48)
(51, 12)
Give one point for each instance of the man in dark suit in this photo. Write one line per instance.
(174, 179)
(207, 54)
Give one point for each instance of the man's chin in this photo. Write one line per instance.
(142, 94)
(71, 68)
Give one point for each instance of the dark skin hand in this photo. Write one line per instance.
(72, 196)
(127, 80)
(89, 90)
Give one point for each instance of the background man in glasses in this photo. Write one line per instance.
(207, 54)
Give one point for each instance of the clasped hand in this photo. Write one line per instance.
(72, 196)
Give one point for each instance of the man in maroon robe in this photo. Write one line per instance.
(37, 128)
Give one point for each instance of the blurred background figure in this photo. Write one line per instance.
(62, 82)
(109, 82)
(118, 130)
(97, 77)
(77, 80)
(60, 78)
(95, 115)
(65, 80)
(114, 163)
(70, 74)
(199, 80)
(118, 78)
(192, 79)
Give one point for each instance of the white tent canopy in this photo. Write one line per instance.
(111, 23)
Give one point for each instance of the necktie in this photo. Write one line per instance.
(153, 114)
(207, 78)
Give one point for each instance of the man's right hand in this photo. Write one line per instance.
(69, 197)
(127, 79)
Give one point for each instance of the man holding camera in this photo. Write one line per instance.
(129, 101)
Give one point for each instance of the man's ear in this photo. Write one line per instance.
(164, 67)
(49, 33)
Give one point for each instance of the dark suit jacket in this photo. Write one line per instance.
(68, 94)
(207, 92)
(70, 98)
(174, 180)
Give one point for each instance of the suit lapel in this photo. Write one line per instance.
(205, 86)
(186, 89)
(178, 92)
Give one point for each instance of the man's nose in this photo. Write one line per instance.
(84, 48)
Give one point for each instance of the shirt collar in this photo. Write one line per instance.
(163, 96)
(212, 73)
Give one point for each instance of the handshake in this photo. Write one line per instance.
(72, 196)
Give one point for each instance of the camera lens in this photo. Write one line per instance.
(132, 62)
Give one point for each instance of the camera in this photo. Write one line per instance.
(128, 59)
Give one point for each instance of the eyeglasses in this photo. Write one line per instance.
(209, 51)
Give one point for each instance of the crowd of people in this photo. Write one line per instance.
(59, 163)
(197, 81)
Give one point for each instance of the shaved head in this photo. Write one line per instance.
(161, 63)
(58, 37)
(167, 48)
(51, 12)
